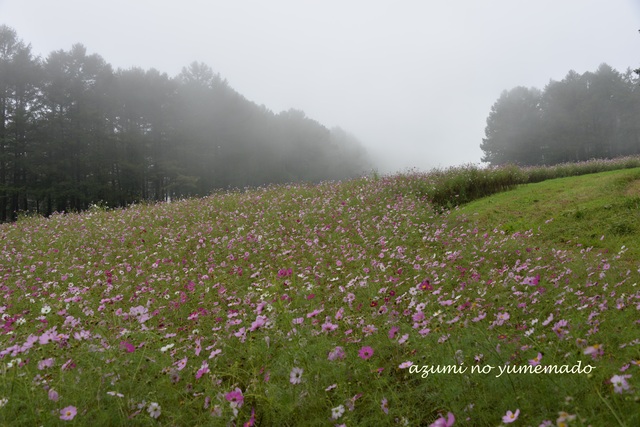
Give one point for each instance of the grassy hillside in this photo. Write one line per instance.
(600, 210)
(349, 303)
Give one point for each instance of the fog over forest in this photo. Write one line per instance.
(414, 81)
(74, 132)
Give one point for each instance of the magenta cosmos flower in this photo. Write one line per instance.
(127, 346)
(365, 352)
(425, 285)
(442, 422)
(68, 413)
(235, 397)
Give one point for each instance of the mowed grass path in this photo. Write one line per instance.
(349, 304)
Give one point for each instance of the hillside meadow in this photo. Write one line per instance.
(375, 301)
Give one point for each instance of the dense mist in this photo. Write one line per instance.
(75, 132)
(413, 80)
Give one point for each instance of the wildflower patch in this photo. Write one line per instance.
(301, 305)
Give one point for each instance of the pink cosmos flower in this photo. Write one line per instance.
(252, 419)
(423, 332)
(479, 317)
(502, 317)
(296, 375)
(285, 272)
(594, 351)
(82, 335)
(69, 364)
(258, 323)
(442, 422)
(327, 326)
(53, 395)
(351, 403)
(393, 331)
(443, 338)
(46, 337)
(314, 313)
(536, 360)
(46, 363)
(204, 369)
(336, 353)
(558, 328)
(349, 298)
(531, 281)
(385, 405)
(180, 364)
(510, 416)
(620, 383)
(369, 330)
(365, 352)
(405, 365)
(68, 413)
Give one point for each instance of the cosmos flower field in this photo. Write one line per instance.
(350, 303)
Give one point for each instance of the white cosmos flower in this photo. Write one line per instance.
(167, 347)
(337, 412)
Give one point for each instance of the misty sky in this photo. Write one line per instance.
(413, 80)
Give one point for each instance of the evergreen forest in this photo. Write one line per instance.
(594, 115)
(75, 132)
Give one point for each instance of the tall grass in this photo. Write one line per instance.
(542, 173)
(446, 188)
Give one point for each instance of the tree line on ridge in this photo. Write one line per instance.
(594, 115)
(75, 132)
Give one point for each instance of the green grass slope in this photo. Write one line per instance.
(600, 210)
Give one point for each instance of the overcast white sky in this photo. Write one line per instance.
(413, 80)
